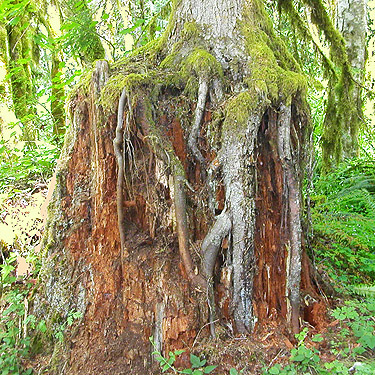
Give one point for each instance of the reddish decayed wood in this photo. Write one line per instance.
(270, 252)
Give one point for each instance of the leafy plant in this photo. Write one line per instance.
(23, 166)
(198, 365)
(359, 318)
(343, 214)
(72, 317)
(15, 343)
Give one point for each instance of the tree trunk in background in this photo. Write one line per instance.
(19, 48)
(85, 41)
(344, 109)
(352, 23)
(58, 96)
(193, 213)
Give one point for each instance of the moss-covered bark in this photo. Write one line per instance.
(345, 69)
(19, 59)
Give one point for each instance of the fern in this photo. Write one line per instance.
(367, 291)
(343, 213)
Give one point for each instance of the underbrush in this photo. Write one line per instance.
(25, 165)
(343, 216)
(15, 320)
(345, 347)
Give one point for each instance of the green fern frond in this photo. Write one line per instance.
(367, 291)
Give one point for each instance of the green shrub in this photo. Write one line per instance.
(343, 214)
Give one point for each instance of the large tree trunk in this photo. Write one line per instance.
(194, 212)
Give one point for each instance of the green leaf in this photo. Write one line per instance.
(274, 370)
(195, 361)
(298, 358)
(317, 338)
(209, 369)
(42, 327)
(233, 371)
(165, 367)
(14, 21)
(187, 371)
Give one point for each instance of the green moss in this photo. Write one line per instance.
(3, 38)
(190, 36)
(139, 57)
(322, 20)
(303, 30)
(83, 86)
(274, 72)
(112, 90)
(238, 111)
(202, 64)
(199, 64)
(191, 31)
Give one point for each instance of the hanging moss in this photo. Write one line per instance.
(303, 30)
(18, 65)
(3, 43)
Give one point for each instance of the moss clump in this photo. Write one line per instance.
(83, 86)
(202, 64)
(191, 31)
(199, 64)
(239, 110)
(190, 36)
(134, 60)
(112, 90)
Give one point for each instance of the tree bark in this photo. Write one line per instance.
(185, 234)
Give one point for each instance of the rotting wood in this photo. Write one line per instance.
(270, 233)
(163, 149)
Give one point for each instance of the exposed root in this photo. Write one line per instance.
(291, 193)
(118, 145)
(212, 242)
(194, 133)
(183, 231)
(210, 248)
(240, 183)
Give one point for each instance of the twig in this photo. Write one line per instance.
(200, 330)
